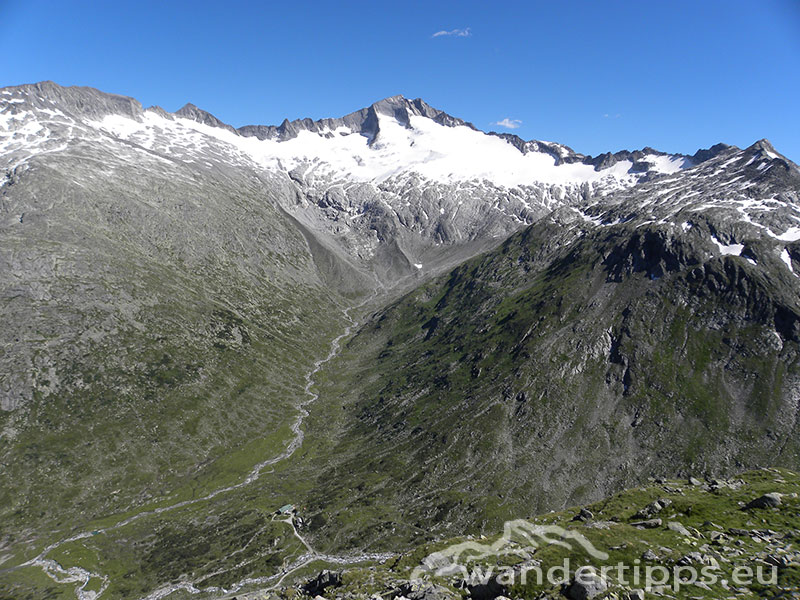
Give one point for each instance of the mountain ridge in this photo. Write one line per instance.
(397, 106)
(426, 183)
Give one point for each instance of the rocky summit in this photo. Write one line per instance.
(308, 359)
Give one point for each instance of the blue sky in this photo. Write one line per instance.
(597, 76)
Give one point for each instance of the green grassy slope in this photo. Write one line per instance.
(552, 371)
(161, 327)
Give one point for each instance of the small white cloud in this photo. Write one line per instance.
(454, 32)
(509, 123)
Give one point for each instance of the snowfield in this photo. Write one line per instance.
(436, 152)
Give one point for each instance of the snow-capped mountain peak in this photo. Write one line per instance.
(390, 137)
(396, 172)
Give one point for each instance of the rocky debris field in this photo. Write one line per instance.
(720, 525)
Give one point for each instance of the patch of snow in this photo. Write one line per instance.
(417, 265)
(5, 120)
(592, 219)
(122, 127)
(732, 181)
(668, 163)
(787, 259)
(30, 128)
(52, 113)
(686, 226)
(727, 163)
(688, 195)
(790, 235)
(730, 249)
(667, 190)
(437, 152)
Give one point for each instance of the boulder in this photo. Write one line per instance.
(653, 508)
(425, 591)
(771, 500)
(436, 561)
(717, 536)
(679, 528)
(324, 579)
(649, 556)
(693, 558)
(776, 561)
(696, 558)
(648, 524)
(587, 584)
(491, 590)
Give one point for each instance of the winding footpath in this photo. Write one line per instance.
(83, 577)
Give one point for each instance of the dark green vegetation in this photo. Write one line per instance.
(560, 367)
